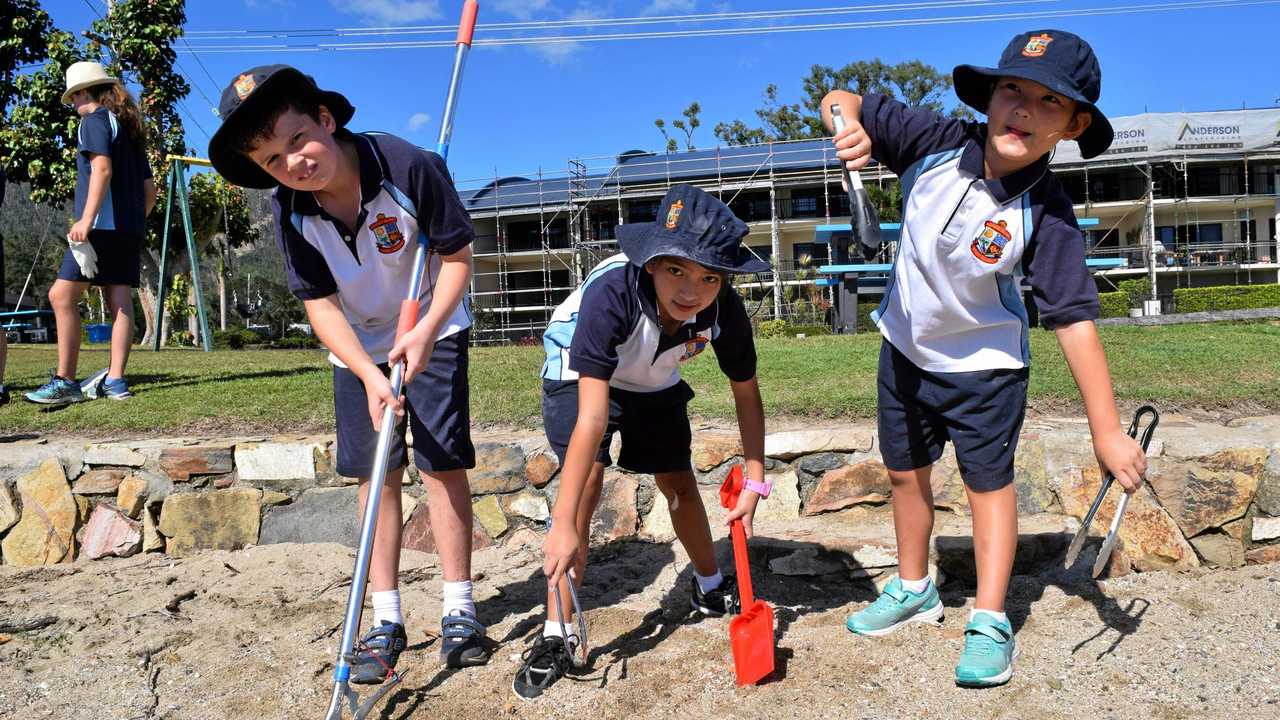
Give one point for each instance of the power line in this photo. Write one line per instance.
(725, 32)
(201, 63)
(233, 34)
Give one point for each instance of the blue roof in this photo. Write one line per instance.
(641, 168)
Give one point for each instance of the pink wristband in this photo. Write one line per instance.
(760, 488)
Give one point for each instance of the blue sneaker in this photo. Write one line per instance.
(58, 391)
(896, 607)
(114, 389)
(989, 652)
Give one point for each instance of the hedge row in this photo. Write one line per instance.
(1226, 297)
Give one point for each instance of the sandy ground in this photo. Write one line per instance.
(253, 637)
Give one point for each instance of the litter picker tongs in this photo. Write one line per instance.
(342, 690)
(580, 652)
(1109, 542)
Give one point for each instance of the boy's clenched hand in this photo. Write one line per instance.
(1123, 457)
(560, 551)
(414, 348)
(377, 390)
(853, 145)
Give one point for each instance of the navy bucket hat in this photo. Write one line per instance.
(1058, 60)
(252, 93)
(695, 226)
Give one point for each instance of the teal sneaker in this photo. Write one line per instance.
(896, 607)
(58, 391)
(989, 652)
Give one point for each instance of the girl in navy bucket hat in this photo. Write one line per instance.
(983, 216)
(614, 350)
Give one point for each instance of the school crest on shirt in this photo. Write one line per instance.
(245, 84)
(693, 347)
(386, 234)
(1037, 45)
(989, 246)
(673, 214)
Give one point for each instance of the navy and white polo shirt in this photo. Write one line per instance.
(608, 329)
(124, 208)
(953, 302)
(369, 267)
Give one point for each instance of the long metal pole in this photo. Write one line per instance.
(408, 318)
(164, 257)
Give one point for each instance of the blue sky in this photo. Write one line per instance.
(528, 107)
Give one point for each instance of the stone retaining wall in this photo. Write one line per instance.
(1212, 494)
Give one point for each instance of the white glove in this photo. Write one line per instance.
(85, 257)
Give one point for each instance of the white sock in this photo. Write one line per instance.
(915, 586)
(997, 615)
(386, 606)
(709, 582)
(457, 596)
(551, 628)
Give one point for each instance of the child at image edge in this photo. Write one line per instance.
(981, 211)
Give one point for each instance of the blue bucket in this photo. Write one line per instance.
(99, 332)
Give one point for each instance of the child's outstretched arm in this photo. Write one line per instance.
(750, 411)
(853, 145)
(451, 284)
(1116, 451)
(560, 549)
(332, 328)
(99, 182)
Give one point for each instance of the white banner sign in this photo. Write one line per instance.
(1166, 134)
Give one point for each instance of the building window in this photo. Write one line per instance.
(639, 211)
(815, 253)
(804, 205)
(529, 235)
(1206, 234)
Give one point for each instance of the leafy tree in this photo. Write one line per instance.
(915, 83)
(689, 124)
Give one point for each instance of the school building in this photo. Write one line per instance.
(1182, 199)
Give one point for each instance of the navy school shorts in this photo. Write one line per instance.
(119, 260)
(656, 436)
(438, 410)
(980, 412)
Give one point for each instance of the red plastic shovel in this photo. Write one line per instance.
(751, 633)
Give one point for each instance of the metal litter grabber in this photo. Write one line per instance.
(751, 632)
(342, 690)
(864, 221)
(1109, 542)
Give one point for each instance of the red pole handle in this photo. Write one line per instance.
(467, 27)
(741, 564)
(408, 317)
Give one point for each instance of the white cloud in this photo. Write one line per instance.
(521, 9)
(390, 12)
(670, 7)
(417, 120)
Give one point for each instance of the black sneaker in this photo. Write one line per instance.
(377, 653)
(720, 600)
(547, 661)
(4, 395)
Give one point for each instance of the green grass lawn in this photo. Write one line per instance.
(245, 392)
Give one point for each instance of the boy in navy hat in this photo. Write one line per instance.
(349, 208)
(981, 212)
(614, 350)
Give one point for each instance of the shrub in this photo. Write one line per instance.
(235, 339)
(296, 340)
(182, 338)
(1136, 291)
(1226, 297)
(772, 328)
(1114, 304)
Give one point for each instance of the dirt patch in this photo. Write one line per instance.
(256, 642)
